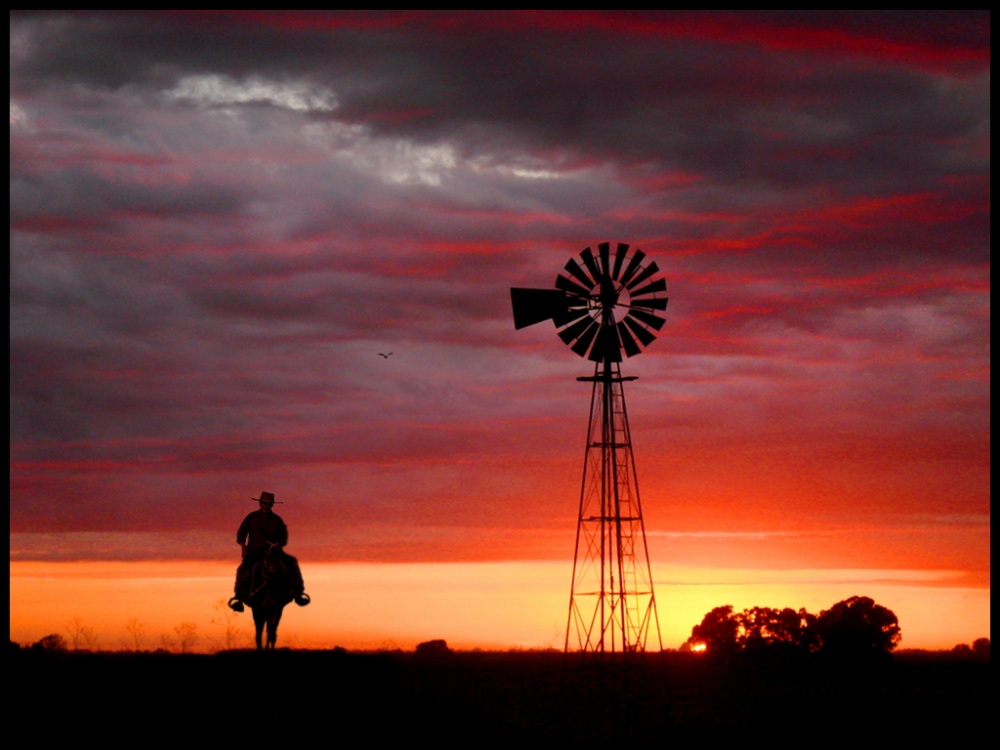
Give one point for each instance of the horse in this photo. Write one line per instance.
(269, 590)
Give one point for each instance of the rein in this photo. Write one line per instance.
(263, 570)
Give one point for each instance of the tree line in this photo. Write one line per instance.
(854, 627)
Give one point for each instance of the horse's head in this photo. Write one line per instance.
(272, 558)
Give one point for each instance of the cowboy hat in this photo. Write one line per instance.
(266, 497)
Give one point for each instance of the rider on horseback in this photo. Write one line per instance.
(259, 529)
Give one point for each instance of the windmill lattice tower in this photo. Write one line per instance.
(603, 306)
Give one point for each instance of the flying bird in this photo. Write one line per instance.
(385, 356)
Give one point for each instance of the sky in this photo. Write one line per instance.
(217, 221)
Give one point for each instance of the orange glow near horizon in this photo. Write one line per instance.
(471, 605)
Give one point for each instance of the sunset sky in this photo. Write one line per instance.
(218, 220)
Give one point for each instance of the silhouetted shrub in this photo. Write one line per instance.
(433, 648)
(52, 642)
(858, 626)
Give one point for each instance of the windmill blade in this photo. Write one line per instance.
(574, 268)
(643, 275)
(643, 335)
(568, 334)
(591, 264)
(619, 259)
(568, 316)
(568, 286)
(631, 348)
(605, 250)
(535, 305)
(606, 348)
(649, 319)
(652, 304)
(632, 266)
(581, 346)
(660, 285)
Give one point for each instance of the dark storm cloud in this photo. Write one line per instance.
(83, 195)
(700, 102)
(218, 220)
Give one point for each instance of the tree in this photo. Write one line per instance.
(227, 620)
(187, 636)
(90, 639)
(80, 636)
(765, 628)
(136, 631)
(857, 627)
(717, 632)
(75, 628)
(981, 648)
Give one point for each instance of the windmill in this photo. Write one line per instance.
(600, 308)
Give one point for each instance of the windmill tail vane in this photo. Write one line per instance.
(606, 304)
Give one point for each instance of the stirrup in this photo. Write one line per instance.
(302, 599)
(236, 605)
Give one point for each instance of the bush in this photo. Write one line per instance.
(52, 642)
(433, 648)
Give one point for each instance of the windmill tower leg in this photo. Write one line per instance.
(612, 605)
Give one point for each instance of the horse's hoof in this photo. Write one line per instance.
(302, 600)
(236, 605)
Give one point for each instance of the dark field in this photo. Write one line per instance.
(300, 696)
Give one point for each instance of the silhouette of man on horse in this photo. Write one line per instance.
(262, 536)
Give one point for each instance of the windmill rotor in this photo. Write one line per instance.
(603, 305)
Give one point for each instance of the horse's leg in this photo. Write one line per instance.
(272, 626)
(258, 622)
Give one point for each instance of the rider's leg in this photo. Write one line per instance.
(295, 574)
(241, 586)
(295, 578)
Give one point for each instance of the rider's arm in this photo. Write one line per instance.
(244, 530)
(241, 535)
(283, 535)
